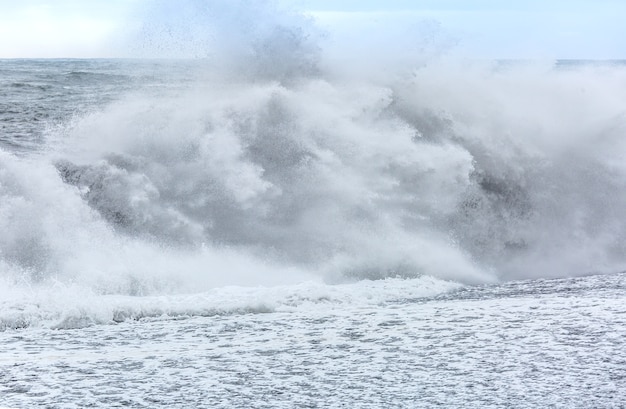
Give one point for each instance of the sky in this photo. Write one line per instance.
(521, 29)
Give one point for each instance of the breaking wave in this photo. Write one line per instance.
(270, 166)
(62, 309)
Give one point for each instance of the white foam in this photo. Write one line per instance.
(465, 172)
(74, 306)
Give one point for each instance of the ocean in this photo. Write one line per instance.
(244, 233)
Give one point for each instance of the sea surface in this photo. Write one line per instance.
(211, 233)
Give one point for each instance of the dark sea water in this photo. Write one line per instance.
(183, 233)
(38, 95)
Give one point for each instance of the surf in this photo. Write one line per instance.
(265, 162)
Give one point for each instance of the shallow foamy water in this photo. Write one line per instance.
(522, 344)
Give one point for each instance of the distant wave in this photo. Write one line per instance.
(39, 87)
(93, 76)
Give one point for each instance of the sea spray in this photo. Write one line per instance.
(264, 164)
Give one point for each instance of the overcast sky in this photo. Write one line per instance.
(584, 29)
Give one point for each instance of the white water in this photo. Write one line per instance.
(521, 344)
(468, 175)
(288, 223)
(271, 162)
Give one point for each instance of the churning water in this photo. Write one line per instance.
(267, 226)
